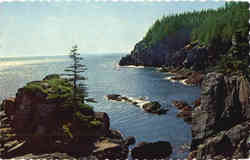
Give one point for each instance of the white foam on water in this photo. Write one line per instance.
(132, 66)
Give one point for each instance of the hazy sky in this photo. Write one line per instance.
(51, 28)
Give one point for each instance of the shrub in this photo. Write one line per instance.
(66, 129)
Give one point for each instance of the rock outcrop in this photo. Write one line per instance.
(148, 106)
(142, 55)
(185, 55)
(185, 111)
(154, 150)
(40, 120)
(221, 124)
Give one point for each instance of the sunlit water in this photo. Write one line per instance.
(105, 78)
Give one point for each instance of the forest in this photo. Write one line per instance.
(225, 29)
(206, 25)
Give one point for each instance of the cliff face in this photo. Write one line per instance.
(165, 53)
(40, 120)
(221, 124)
(156, 54)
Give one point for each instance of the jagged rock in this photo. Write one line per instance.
(55, 155)
(185, 111)
(110, 150)
(158, 54)
(148, 106)
(220, 126)
(2, 114)
(103, 117)
(115, 134)
(115, 97)
(9, 106)
(130, 141)
(41, 121)
(154, 107)
(179, 104)
(186, 115)
(195, 78)
(197, 102)
(155, 150)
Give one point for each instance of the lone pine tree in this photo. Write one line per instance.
(74, 72)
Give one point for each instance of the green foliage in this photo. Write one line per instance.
(67, 131)
(237, 59)
(83, 118)
(95, 123)
(208, 26)
(54, 88)
(220, 25)
(74, 73)
(85, 106)
(87, 121)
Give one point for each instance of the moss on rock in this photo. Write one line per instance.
(53, 87)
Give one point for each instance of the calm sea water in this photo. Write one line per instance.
(104, 78)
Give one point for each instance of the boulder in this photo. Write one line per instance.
(180, 104)
(106, 149)
(9, 106)
(197, 102)
(115, 97)
(154, 107)
(151, 106)
(195, 78)
(148, 106)
(130, 141)
(186, 115)
(104, 118)
(154, 150)
(115, 134)
(55, 155)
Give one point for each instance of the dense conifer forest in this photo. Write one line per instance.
(207, 26)
(224, 29)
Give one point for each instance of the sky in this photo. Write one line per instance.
(51, 28)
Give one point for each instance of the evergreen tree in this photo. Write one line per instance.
(74, 72)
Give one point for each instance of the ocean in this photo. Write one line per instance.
(105, 77)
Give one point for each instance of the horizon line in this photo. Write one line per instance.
(90, 53)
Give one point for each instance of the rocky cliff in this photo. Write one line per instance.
(221, 124)
(155, 55)
(40, 120)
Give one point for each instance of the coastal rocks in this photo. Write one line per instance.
(154, 107)
(155, 55)
(9, 106)
(114, 97)
(154, 150)
(222, 120)
(130, 141)
(55, 155)
(165, 53)
(9, 142)
(39, 120)
(195, 78)
(107, 149)
(185, 111)
(148, 106)
(184, 76)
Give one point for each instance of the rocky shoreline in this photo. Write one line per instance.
(37, 124)
(221, 125)
(148, 106)
(34, 126)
